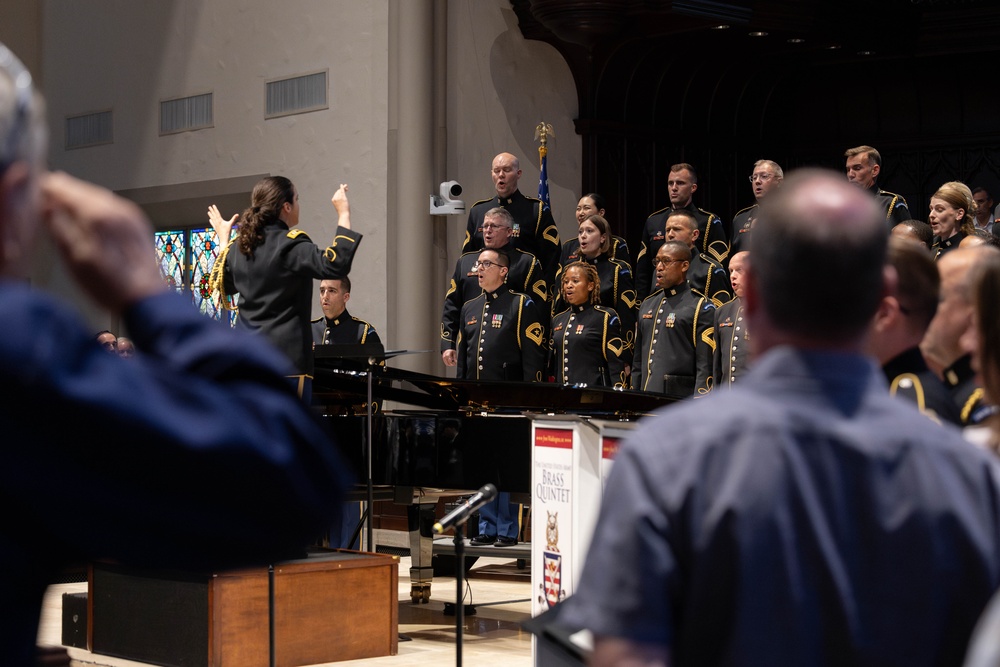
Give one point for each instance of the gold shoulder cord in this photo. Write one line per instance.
(892, 205)
(694, 326)
(917, 387)
(215, 281)
(967, 408)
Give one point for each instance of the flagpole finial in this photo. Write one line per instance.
(543, 131)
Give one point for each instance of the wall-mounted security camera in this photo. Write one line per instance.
(446, 203)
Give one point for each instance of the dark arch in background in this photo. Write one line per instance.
(658, 85)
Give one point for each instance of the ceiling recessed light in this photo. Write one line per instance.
(833, 47)
(758, 33)
(796, 40)
(866, 53)
(722, 26)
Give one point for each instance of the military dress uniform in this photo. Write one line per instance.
(587, 348)
(524, 275)
(501, 338)
(909, 378)
(894, 205)
(966, 394)
(939, 247)
(732, 344)
(742, 227)
(534, 229)
(674, 344)
(711, 241)
(707, 278)
(343, 330)
(275, 284)
(617, 293)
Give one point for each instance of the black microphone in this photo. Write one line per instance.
(461, 514)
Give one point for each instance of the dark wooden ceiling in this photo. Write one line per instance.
(661, 82)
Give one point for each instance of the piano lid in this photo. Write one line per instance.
(437, 393)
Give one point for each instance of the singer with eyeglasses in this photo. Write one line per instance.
(502, 338)
(523, 275)
(767, 176)
(535, 230)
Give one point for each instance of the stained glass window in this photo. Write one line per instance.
(171, 248)
(186, 258)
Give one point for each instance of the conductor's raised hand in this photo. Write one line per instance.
(343, 206)
(223, 228)
(106, 241)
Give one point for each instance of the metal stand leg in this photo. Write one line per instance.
(420, 519)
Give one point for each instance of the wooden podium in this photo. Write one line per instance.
(340, 605)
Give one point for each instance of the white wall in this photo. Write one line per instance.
(128, 55)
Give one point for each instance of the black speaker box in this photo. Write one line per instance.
(74, 620)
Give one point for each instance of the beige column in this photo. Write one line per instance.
(413, 323)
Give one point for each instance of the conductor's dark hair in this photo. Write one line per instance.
(819, 254)
(269, 195)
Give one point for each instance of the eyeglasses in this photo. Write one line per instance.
(485, 264)
(23, 95)
(491, 227)
(668, 262)
(763, 178)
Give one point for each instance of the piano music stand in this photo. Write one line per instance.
(372, 355)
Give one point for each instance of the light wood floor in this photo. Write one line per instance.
(500, 592)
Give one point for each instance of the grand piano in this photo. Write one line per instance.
(444, 436)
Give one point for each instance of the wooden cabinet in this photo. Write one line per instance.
(340, 605)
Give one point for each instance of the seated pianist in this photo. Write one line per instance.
(337, 326)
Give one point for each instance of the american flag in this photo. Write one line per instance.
(543, 178)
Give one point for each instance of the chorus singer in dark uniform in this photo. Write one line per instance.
(586, 342)
(952, 211)
(502, 338)
(617, 289)
(675, 341)
(767, 175)
(713, 240)
(588, 205)
(864, 164)
(502, 335)
(899, 326)
(337, 326)
(272, 266)
(534, 229)
(524, 275)
(705, 276)
(732, 339)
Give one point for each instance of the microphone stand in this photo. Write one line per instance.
(459, 590)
